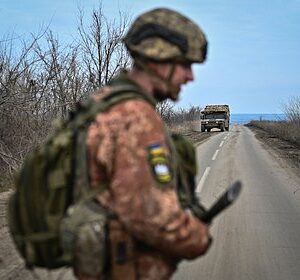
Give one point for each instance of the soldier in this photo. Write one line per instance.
(129, 147)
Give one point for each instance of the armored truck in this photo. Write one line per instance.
(215, 116)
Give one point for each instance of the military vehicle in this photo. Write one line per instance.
(215, 116)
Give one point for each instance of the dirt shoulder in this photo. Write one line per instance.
(191, 130)
(197, 137)
(284, 149)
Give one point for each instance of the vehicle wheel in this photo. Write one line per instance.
(227, 128)
(208, 130)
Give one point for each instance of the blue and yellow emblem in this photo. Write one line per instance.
(159, 163)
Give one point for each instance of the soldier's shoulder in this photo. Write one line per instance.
(136, 111)
(136, 105)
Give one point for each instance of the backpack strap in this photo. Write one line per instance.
(121, 93)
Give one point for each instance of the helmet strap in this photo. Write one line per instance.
(170, 76)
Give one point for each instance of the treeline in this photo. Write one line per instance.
(288, 129)
(41, 78)
(177, 116)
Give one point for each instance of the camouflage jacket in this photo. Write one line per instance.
(128, 146)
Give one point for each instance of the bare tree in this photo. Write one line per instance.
(43, 79)
(103, 53)
(62, 81)
(17, 101)
(166, 110)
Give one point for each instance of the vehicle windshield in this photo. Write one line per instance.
(215, 116)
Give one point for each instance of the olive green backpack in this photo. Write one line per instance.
(46, 182)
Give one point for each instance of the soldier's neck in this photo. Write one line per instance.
(142, 79)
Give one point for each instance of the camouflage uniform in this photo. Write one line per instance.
(120, 142)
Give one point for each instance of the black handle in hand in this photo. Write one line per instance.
(223, 202)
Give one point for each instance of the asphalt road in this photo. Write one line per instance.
(258, 238)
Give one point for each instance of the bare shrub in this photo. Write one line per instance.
(43, 79)
(292, 109)
(19, 115)
(285, 130)
(181, 119)
(289, 129)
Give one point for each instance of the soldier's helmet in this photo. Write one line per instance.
(164, 35)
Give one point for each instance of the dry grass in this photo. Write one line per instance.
(285, 130)
(181, 128)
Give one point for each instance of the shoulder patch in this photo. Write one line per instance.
(159, 163)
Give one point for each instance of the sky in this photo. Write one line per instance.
(253, 61)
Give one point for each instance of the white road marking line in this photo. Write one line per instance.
(221, 144)
(202, 180)
(225, 137)
(215, 155)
